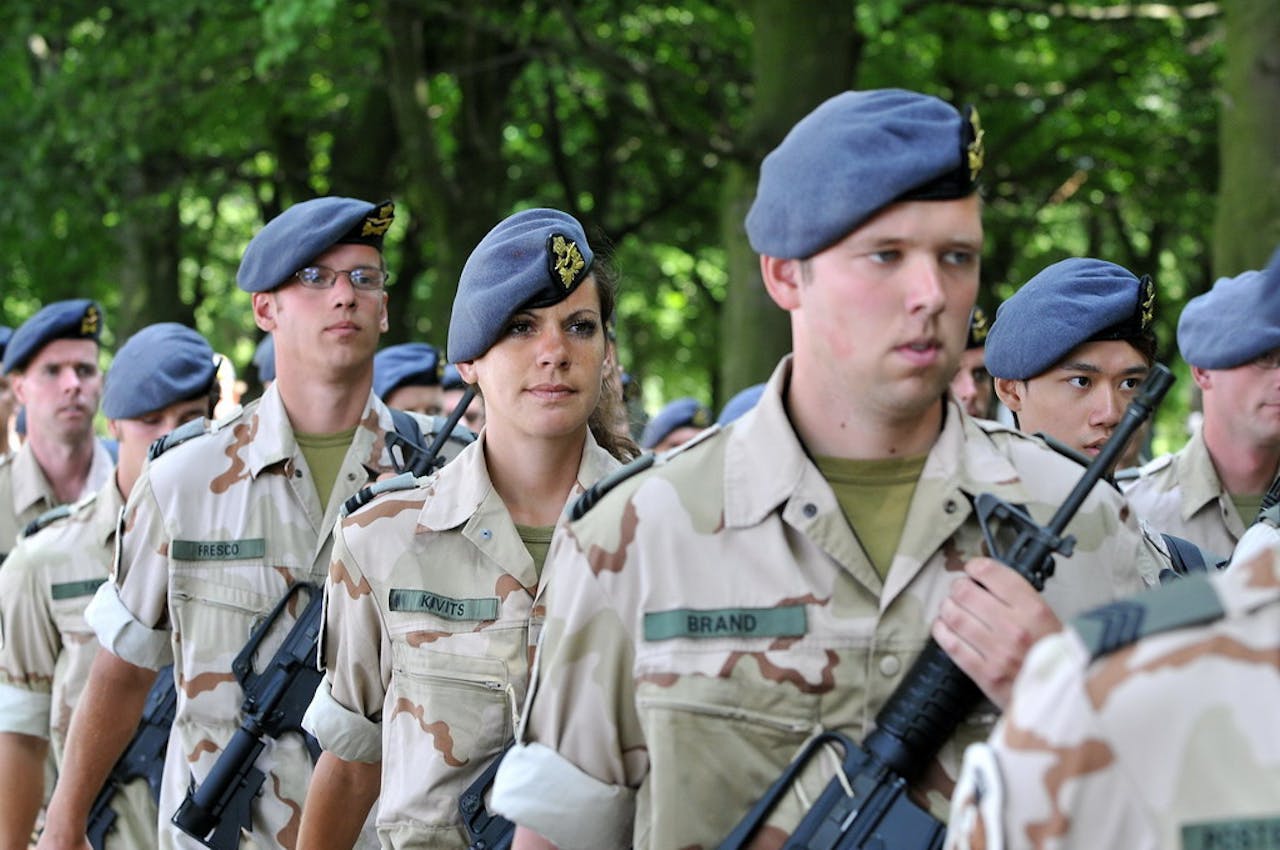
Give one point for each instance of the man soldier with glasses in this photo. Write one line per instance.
(230, 515)
(1209, 491)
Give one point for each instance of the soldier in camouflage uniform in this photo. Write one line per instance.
(430, 596)
(776, 578)
(223, 522)
(1209, 491)
(971, 386)
(52, 363)
(163, 377)
(1150, 724)
(1070, 348)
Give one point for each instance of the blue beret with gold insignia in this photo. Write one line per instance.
(979, 327)
(532, 259)
(1067, 304)
(78, 318)
(160, 365)
(304, 231)
(854, 155)
(414, 364)
(741, 402)
(1235, 322)
(680, 413)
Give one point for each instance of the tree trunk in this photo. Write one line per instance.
(802, 55)
(1247, 229)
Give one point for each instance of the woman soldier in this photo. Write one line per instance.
(430, 593)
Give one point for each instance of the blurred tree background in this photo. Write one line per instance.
(149, 139)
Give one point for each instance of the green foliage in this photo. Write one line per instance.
(151, 138)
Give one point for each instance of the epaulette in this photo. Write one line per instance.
(47, 518)
(1155, 465)
(1190, 601)
(186, 431)
(1071, 454)
(697, 439)
(1131, 473)
(403, 481)
(597, 491)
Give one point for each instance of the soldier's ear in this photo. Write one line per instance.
(782, 280)
(467, 369)
(1202, 377)
(1012, 393)
(264, 310)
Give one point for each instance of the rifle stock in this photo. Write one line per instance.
(486, 830)
(868, 807)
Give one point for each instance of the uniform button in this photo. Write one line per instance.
(950, 506)
(351, 476)
(810, 510)
(486, 534)
(890, 665)
(297, 473)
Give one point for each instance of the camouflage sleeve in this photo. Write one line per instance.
(346, 715)
(29, 644)
(580, 730)
(1049, 776)
(129, 613)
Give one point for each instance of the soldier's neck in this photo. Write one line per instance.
(1245, 467)
(65, 465)
(320, 406)
(533, 477)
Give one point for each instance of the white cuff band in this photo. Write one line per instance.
(121, 634)
(520, 795)
(347, 734)
(24, 712)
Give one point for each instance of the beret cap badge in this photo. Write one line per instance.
(1146, 301)
(979, 327)
(89, 325)
(975, 148)
(566, 259)
(379, 220)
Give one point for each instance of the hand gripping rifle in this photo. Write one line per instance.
(215, 812)
(868, 806)
(142, 759)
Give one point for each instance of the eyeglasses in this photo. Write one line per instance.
(323, 277)
(1270, 360)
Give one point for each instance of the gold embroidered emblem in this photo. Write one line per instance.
(568, 260)
(1146, 301)
(978, 327)
(377, 222)
(976, 150)
(89, 324)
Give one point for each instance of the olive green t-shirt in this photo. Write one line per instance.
(1247, 506)
(875, 496)
(324, 454)
(537, 539)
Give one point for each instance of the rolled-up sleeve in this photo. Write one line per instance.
(346, 714)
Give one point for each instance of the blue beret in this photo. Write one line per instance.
(5, 333)
(264, 359)
(412, 363)
(160, 365)
(303, 232)
(78, 318)
(853, 156)
(1234, 322)
(1067, 304)
(677, 414)
(741, 402)
(534, 258)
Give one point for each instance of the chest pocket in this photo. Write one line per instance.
(216, 602)
(68, 599)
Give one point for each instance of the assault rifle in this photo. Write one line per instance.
(274, 701)
(142, 759)
(412, 456)
(487, 830)
(868, 806)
